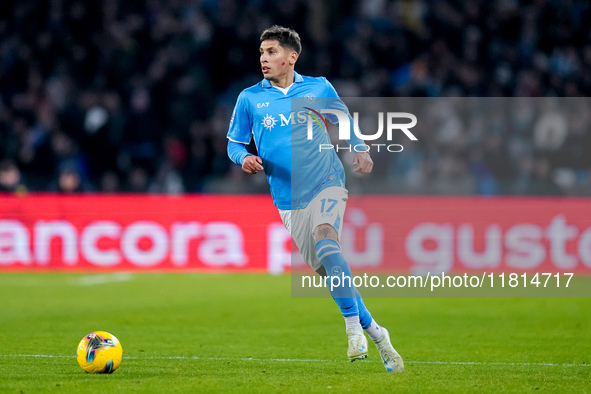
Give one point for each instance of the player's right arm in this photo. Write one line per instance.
(250, 163)
(239, 136)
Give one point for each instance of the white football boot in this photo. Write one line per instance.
(392, 360)
(357, 344)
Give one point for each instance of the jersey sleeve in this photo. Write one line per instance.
(241, 122)
(335, 102)
(237, 152)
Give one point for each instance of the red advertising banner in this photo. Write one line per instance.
(135, 232)
(244, 233)
(451, 234)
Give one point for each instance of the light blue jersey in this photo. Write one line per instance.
(296, 169)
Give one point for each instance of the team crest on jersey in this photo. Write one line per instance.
(310, 98)
(269, 122)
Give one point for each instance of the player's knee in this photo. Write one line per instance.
(324, 231)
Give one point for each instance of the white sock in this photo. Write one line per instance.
(374, 330)
(352, 322)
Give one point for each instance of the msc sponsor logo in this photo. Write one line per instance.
(269, 122)
(388, 123)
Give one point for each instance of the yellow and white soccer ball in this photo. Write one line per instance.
(99, 352)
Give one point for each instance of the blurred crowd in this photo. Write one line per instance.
(136, 96)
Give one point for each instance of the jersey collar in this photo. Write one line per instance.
(296, 79)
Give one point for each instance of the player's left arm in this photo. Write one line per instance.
(362, 162)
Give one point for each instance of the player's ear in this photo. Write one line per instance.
(293, 58)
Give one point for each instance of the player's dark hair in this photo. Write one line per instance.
(287, 38)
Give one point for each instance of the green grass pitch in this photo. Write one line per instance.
(244, 333)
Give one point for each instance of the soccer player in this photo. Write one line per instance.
(307, 183)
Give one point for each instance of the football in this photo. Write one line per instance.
(99, 352)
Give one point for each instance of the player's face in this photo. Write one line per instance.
(276, 61)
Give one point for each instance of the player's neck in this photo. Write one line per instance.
(283, 81)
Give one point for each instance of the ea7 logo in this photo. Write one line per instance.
(345, 124)
(262, 105)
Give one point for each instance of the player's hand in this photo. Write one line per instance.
(252, 164)
(362, 163)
